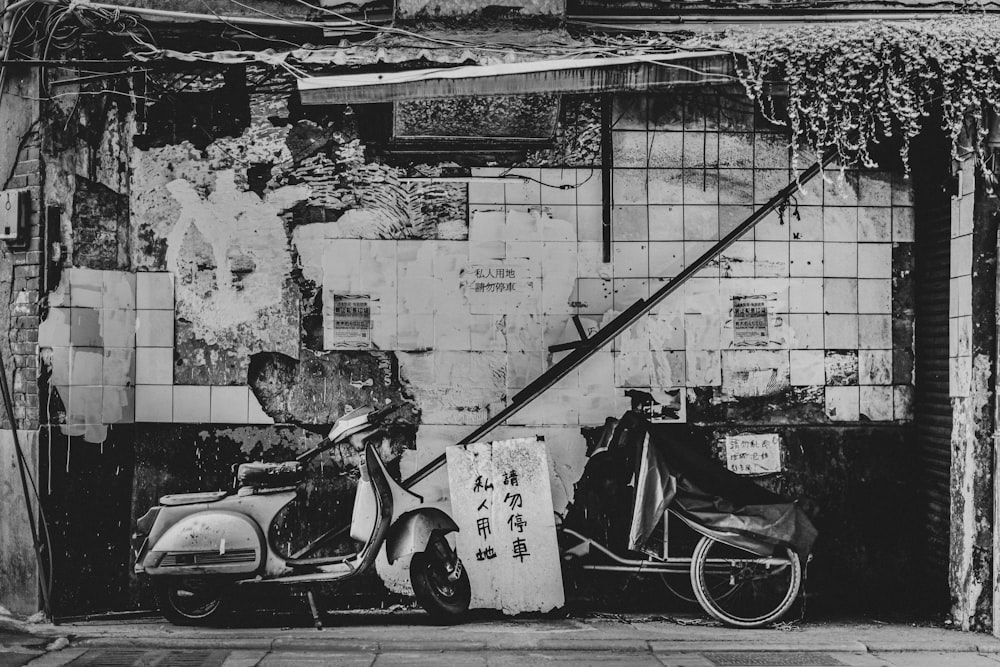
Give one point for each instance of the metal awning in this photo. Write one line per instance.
(583, 75)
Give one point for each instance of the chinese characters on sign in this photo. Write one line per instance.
(501, 500)
(753, 453)
(500, 287)
(351, 323)
(750, 321)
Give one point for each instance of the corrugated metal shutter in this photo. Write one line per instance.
(932, 408)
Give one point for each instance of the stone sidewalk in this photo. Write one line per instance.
(406, 638)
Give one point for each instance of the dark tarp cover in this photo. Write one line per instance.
(708, 496)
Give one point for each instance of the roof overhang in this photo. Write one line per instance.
(584, 75)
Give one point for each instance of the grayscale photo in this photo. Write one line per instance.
(371, 333)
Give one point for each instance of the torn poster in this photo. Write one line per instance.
(350, 326)
(750, 321)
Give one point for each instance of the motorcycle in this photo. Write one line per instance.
(199, 549)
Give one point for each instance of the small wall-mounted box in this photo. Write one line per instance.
(15, 209)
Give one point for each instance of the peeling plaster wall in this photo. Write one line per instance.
(239, 247)
(972, 386)
(227, 249)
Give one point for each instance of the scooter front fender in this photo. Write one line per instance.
(412, 531)
(210, 542)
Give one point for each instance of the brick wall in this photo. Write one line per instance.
(26, 258)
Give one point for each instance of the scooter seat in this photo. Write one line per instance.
(269, 475)
(175, 499)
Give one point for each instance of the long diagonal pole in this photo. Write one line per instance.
(626, 318)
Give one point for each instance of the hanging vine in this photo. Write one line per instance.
(853, 86)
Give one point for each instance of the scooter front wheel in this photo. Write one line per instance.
(192, 600)
(443, 599)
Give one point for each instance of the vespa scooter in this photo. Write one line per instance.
(198, 549)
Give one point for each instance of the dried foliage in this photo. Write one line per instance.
(851, 86)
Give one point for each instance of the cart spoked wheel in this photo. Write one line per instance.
(679, 585)
(741, 588)
(193, 600)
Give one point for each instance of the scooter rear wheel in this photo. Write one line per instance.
(443, 599)
(192, 600)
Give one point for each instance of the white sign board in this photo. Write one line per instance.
(753, 453)
(502, 503)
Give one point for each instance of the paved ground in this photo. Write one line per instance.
(383, 639)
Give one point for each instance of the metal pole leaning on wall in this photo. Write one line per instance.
(22, 465)
(625, 319)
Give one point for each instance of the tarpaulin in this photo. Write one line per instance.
(726, 506)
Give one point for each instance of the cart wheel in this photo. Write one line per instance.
(679, 585)
(741, 588)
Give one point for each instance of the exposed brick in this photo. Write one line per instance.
(34, 178)
(25, 348)
(30, 270)
(19, 181)
(31, 152)
(33, 257)
(31, 400)
(27, 362)
(25, 283)
(27, 167)
(27, 322)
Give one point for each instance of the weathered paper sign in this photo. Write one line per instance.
(753, 453)
(750, 321)
(350, 326)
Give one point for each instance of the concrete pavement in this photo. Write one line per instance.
(407, 638)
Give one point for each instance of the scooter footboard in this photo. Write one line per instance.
(412, 531)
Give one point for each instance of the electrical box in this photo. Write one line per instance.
(15, 208)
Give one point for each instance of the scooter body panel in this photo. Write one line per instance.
(411, 532)
(187, 539)
(209, 542)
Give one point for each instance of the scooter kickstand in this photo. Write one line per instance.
(315, 612)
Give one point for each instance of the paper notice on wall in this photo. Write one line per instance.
(501, 500)
(750, 321)
(349, 326)
(753, 453)
(502, 286)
